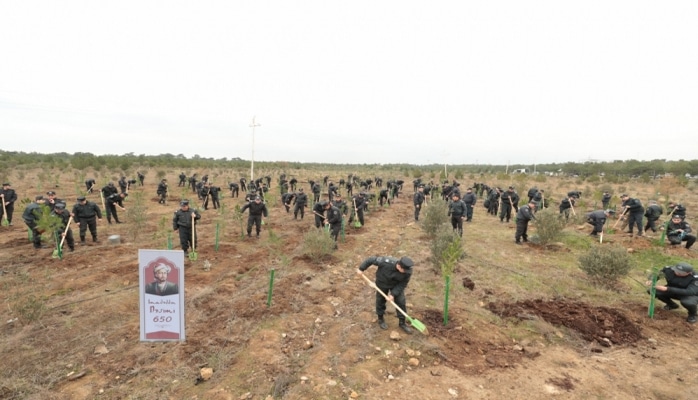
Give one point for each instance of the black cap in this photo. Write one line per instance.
(59, 206)
(406, 263)
(39, 197)
(511, 188)
(81, 198)
(624, 195)
(257, 198)
(51, 193)
(683, 267)
(110, 184)
(6, 184)
(184, 203)
(300, 189)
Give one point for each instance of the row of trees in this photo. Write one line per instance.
(125, 162)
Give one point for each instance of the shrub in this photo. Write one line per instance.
(549, 226)
(446, 249)
(604, 265)
(137, 214)
(434, 215)
(317, 244)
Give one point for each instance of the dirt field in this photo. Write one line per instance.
(524, 323)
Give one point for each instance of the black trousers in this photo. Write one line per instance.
(86, 223)
(36, 235)
(635, 219)
(185, 238)
(468, 212)
(417, 209)
(69, 239)
(111, 211)
(299, 208)
(521, 230)
(457, 224)
(10, 208)
(255, 220)
(400, 301)
(651, 224)
(689, 302)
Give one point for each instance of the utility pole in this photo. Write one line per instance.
(253, 125)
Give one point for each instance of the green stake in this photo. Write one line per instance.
(448, 286)
(271, 287)
(218, 228)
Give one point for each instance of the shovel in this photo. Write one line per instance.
(5, 221)
(417, 324)
(357, 223)
(58, 252)
(193, 255)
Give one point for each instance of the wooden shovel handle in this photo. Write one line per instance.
(373, 285)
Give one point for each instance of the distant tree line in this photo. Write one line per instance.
(80, 161)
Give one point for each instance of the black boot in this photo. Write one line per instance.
(406, 328)
(381, 323)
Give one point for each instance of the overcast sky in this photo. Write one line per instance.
(454, 82)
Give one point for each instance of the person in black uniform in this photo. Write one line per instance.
(341, 204)
(86, 214)
(566, 205)
(523, 216)
(8, 196)
(89, 185)
(383, 197)
(182, 223)
(493, 197)
(597, 219)
(299, 204)
(418, 201)
(679, 231)
(111, 202)
(392, 277)
(359, 205)
(316, 189)
(162, 191)
(31, 216)
(243, 184)
(532, 193)
(287, 198)
(334, 219)
(293, 182)
(123, 184)
(182, 180)
(635, 211)
(510, 201)
(457, 211)
(257, 210)
(210, 192)
(60, 212)
(653, 212)
(141, 177)
(319, 208)
(606, 199)
(682, 285)
(234, 189)
(192, 183)
(109, 190)
(469, 198)
(674, 208)
(539, 200)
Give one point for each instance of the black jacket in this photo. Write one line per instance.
(524, 214)
(301, 199)
(457, 209)
(469, 199)
(183, 218)
(10, 195)
(680, 285)
(255, 209)
(654, 211)
(387, 275)
(87, 210)
(334, 216)
(115, 199)
(418, 198)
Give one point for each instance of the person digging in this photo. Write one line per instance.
(682, 285)
(392, 276)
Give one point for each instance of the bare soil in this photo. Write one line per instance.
(521, 322)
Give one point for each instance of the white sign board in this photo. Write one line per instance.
(161, 277)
